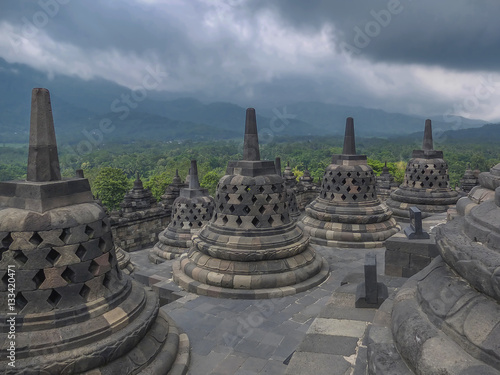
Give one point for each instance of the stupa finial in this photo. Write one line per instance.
(194, 183)
(349, 139)
(43, 161)
(251, 143)
(427, 144)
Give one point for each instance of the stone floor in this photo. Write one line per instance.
(314, 332)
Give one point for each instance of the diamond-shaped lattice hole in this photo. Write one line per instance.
(52, 256)
(225, 219)
(190, 224)
(256, 222)
(328, 187)
(195, 217)
(354, 197)
(426, 166)
(199, 224)
(261, 189)
(270, 220)
(368, 188)
(262, 209)
(94, 267)
(339, 174)
(102, 245)
(39, 278)
(231, 208)
(276, 208)
(274, 188)
(226, 198)
(36, 239)
(106, 281)
(282, 217)
(7, 240)
(426, 178)
(246, 209)
(239, 221)
(54, 298)
(440, 184)
(343, 181)
(235, 188)
(224, 187)
(254, 199)
(21, 302)
(431, 184)
(330, 173)
(190, 211)
(365, 196)
(432, 172)
(358, 174)
(343, 197)
(268, 198)
(240, 198)
(421, 184)
(348, 189)
(333, 181)
(80, 252)
(358, 189)
(84, 292)
(20, 257)
(89, 231)
(337, 188)
(68, 275)
(247, 188)
(221, 207)
(348, 174)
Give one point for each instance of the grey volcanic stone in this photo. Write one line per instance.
(347, 212)
(251, 248)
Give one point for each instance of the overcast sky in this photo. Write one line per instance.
(425, 57)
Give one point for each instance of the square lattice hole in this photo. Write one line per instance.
(54, 298)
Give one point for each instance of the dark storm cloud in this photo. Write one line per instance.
(456, 34)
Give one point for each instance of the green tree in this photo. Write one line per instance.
(210, 180)
(158, 184)
(110, 185)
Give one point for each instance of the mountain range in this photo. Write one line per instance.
(81, 107)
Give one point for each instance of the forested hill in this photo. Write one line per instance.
(79, 106)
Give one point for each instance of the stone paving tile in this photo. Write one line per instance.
(255, 336)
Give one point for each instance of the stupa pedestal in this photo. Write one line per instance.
(446, 319)
(191, 211)
(426, 183)
(74, 310)
(250, 248)
(347, 212)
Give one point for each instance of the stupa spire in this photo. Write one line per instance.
(251, 143)
(349, 139)
(427, 144)
(43, 162)
(194, 183)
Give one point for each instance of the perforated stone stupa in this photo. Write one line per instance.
(306, 190)
(172, 191)
(191, 211)
(293, 208)
(426, 182)
(347, 212)
(140, 219)
(76, 311)
(469, 180)
(251, 248)
(446, 318)
(385, 183)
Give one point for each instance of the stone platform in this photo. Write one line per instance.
(242, 336)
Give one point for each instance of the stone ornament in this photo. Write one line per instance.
(76, 310)
(347, 212)
(426, 182)
(251, 248)
(191, 211)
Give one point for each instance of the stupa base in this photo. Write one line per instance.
(248, 286)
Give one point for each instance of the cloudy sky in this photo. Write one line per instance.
(426, 57)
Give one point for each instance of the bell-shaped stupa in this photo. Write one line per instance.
(172, 191)
(426, 182)
(72, 308)
(385, 183)
(446, 318)
(251, 248)
(293, 208)
(191, 211)
(347, 212)
(469, 180)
